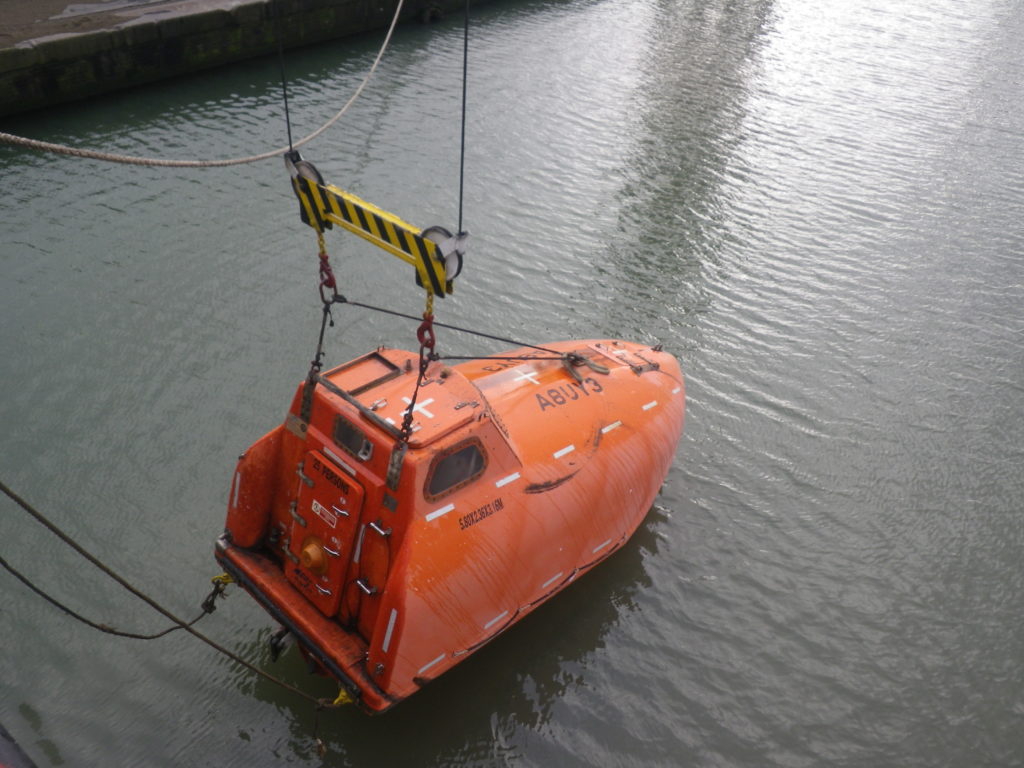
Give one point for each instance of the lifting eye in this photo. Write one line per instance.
(313, 556)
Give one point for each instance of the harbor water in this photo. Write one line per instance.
(816, 205)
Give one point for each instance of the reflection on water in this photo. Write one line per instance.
(817, 206)
(511, 684)
(674, 215)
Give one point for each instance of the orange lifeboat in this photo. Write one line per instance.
(392, 554)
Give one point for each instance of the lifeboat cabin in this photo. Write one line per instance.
(392, 559)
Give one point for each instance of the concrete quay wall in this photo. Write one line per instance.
(135, 44)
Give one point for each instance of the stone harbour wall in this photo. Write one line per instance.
(144, 43)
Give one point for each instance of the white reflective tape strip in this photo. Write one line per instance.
(552, 580)
(602, 545)
(339, 461)
(564, 451)
(677, 390)
(648, 406)
(429, 664)
(610, 427)
(506, 480)
(438, 512)
(359, 544)
(496, 619)
(390, 629)
(238, 485)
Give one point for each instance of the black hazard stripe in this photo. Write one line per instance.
(421, 250)
(309, 208)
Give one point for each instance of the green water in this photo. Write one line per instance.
(816, 206)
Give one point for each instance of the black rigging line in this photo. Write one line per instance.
(45, 522)
(339, 299)
(284, 81)
(88, 622)
(465, 74)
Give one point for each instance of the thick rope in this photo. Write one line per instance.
(88, 622)
(42, 520)
(110, 157)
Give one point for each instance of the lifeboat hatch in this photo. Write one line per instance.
(322, 533)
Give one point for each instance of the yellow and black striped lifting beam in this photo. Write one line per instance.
(435, 253)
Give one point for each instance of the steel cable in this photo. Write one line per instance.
(42, 519)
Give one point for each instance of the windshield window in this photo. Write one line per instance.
(456, 468)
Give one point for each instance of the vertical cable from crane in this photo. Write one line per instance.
(465, 72)
(284, 92)
(284, 80)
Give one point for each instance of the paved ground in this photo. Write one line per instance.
(23, 20)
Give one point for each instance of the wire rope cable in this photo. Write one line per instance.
(465, 77)
(339, 299)
(111, 157)
(187, 626)
(79, 617)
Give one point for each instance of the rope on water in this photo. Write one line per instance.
(208, 607)
(187, 626)
(111, 157)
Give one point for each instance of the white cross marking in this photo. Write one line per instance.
(530, 376)
(421, 407)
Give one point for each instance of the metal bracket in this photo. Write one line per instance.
(293, 508)
(395, 466)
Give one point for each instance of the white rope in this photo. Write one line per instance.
(62, 149)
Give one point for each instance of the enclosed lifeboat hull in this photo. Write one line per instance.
(390, 561)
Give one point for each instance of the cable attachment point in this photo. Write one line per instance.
(427, 340)
(425, 335)
(572, 360)
(220, 583)
(453, 251)
(326, 278)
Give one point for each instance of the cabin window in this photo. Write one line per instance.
(455, 468)
(351, 438)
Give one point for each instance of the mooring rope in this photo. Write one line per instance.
(96, 625)
(111, 157)
(187, 626)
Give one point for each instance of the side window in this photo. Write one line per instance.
(455, 468)
(352, 439)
